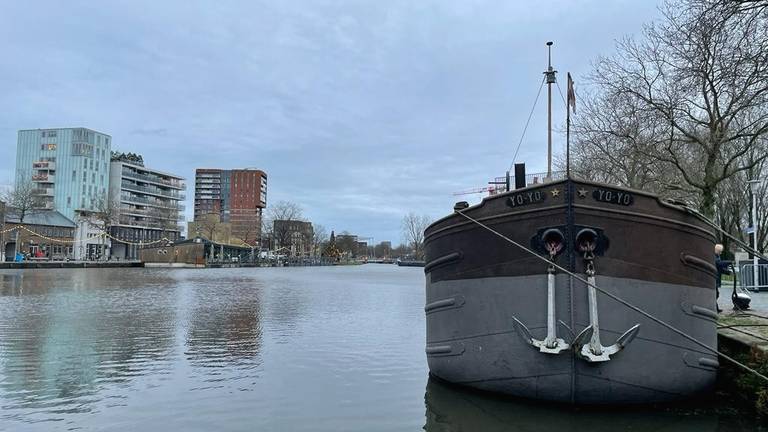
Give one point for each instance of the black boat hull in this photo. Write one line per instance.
(654, 256)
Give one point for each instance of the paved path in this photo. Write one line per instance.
(759, 304)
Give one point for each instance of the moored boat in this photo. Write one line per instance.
(527, 294)
(489, 315)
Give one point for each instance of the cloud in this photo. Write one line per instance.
(358, 111)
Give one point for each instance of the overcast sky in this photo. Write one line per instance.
(359, 111)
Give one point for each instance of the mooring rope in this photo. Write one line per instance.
(619, 300)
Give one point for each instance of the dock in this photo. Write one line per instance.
(68, 264)
(743, 335)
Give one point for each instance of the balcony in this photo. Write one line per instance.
(154, 179)
(44, 165)
(44, 192)
(165, 193)
(166, 204)
(43, 178)
(128, 221)
(150, 213)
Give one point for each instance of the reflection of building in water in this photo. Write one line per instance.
(81, 332)
(224, 326)
(451, 408)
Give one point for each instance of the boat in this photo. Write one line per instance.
(572, 291)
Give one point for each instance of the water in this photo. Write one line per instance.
(320, 349)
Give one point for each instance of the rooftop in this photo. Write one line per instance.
(46, 218)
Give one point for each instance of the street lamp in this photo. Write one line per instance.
(754, 184)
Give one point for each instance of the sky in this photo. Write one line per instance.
(358, 111)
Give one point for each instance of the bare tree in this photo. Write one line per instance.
(319, 238)
(701, 82)
(107, 213)
(208, 226)
(283, 211)
(413, 232)
(347, 243)
(383, 250)
(22, 200)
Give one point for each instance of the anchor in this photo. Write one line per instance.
(553, 243)
(587, 344)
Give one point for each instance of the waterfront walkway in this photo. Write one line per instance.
(32, 264)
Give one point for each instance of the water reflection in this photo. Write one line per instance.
(450, 409)
(89, 331)
(224, 327)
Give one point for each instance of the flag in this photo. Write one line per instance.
(571, 94)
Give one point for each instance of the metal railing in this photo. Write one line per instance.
(153, 190)
(147, 224)
(499, 183)
(154, 179)
(155, 203)
(747, 276)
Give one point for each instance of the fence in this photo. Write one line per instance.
(747, 276)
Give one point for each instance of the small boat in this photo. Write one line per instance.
(513, 306)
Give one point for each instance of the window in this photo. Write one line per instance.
(82, 149)
(69, 202)
(101, 179)
(93, 177)
(74, 175)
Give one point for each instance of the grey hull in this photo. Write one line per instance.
(472, 341)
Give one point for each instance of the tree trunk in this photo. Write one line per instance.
(707, 206)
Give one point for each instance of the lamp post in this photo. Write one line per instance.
(754, 184)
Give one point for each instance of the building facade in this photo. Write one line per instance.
(49, 236)
(237, 197)
(68, 166)
(147, 206)
(294, 237)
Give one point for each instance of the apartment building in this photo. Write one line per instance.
(238, 197)
(147, 204)
(68, 166)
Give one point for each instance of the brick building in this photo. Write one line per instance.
(237, 196)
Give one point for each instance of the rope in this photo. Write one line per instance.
(714, 225)
(619, 300)
(514, 158)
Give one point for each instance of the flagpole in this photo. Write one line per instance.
(570, 103)
(568, 138)
(550, 77)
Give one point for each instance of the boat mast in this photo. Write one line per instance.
(550, 77)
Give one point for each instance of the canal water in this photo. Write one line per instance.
(294, 349)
